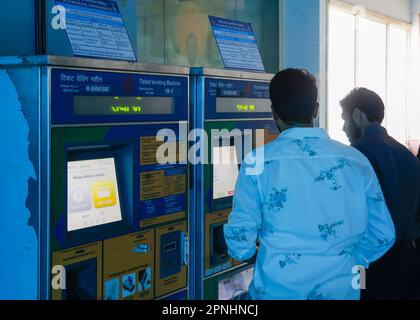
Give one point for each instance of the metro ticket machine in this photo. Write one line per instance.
(237, 103)
(112, 219)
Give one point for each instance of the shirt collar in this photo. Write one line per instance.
(304, 133)
(375, 128)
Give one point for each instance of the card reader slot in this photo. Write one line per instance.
(170, 254)
(170, 247)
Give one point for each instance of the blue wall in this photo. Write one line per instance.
(19, 244)
(301, 32)
(17, 28)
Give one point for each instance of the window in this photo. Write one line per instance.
(367, 51)
(178, 32)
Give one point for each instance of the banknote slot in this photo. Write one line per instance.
(170, 254)
(172, 263)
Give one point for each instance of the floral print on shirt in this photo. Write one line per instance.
(316, 295)
(330, 175)
(277, 199)
(295, 206)
(238, 235)
(328, 231)
(259, 292)
(289, 259)
(266, 230)
(305, 147)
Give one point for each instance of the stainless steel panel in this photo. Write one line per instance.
(87, 63)
(223, 73)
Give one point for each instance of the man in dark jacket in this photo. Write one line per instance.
(397, 274)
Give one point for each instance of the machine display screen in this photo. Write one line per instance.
(108, 105)
(234, 286)
(242, 105)
(87, 96)
(93, 197)
(225, 172)
(228, 98)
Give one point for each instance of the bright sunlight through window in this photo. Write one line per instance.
(367, 53)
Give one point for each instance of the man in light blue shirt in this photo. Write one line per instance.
(316, 207)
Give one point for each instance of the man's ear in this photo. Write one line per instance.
(275, 116)
(359, 117)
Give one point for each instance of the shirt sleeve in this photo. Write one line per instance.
(380, 233)
(241, 231)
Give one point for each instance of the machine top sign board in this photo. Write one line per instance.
(237, 44)
(96, 29)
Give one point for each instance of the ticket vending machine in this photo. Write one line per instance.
(234, 110)
(110, 201)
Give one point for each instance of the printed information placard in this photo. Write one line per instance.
(237, 44)
(96, 29)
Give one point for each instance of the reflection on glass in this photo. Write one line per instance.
(151, 31)
(178, 32)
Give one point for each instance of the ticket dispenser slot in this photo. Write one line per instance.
(80, 273)
(219, 250)
(81, 281)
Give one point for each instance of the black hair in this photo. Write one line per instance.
(294, 95)
(367, 101)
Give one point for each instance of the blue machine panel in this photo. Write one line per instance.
(150, 194)
(240, 107)
(80, 96)
(237, 99)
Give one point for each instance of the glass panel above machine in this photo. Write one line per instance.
(174, 32)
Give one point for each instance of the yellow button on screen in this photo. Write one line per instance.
(104, 194)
